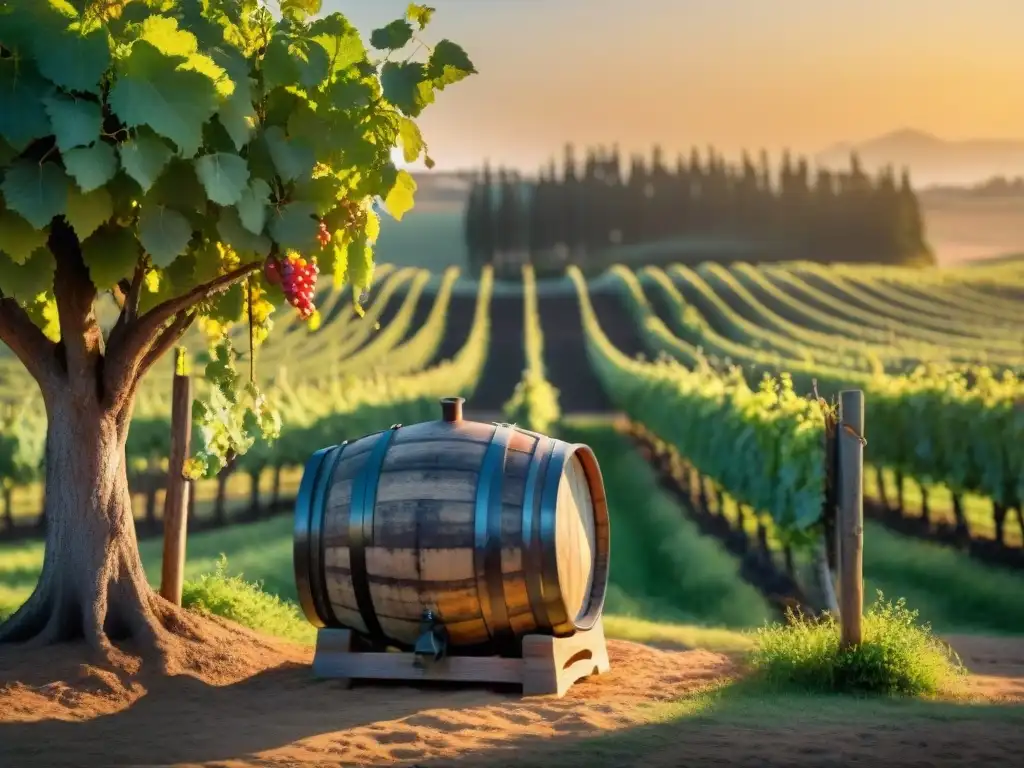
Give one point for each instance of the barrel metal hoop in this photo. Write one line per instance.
(490, 581)
(318, 542)
(551, 590)
(531, 542)
(303, 541)
(360, 532)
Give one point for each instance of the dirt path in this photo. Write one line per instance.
(252, 702)
(506, 357)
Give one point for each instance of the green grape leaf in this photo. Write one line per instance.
(341, 40)
(22, 117)
(150, 90)
(228, 306)
(91, 167)
(350, 94)
(291, 59)
(407, 86)
(337, 261)
(419, 15)
(294, 226)
(37, 192)
(448, 63)
(392, 37)
(248, 245)
(74, 58)
(18, 238)
(86, 211)
(299, 9)
(372, 229)
(224, 176)
(179, 188)
(236, 114)
(360, 264)
(144, 158)
(111, 254)
(291, 159)
(26, 281)
(252, 206)
(76, 122)
(322, 192)
(411, 138)
(164, 233)
(400, 199)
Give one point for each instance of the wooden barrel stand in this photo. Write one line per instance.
(547, 665)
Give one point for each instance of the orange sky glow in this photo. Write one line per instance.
(733, 73)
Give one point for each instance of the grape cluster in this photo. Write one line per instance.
(297, 278)
(322, 235)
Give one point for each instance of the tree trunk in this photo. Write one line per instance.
(8, 509)
(219, 504)
(275, 489)
(702, 494)
(900, 504)
(999, 513)
(92, 584)
(883, 493)
(191, 501)
(254, 492)
(151, 488)
(926, 510)
(963, 532)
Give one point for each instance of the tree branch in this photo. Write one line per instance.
(80, 333)
(129, 301)
(27, 342)
(167, 339)
(127, 350)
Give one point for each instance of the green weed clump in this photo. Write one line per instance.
(899, 656)
(244, 602)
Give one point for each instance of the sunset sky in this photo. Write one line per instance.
(735, 73)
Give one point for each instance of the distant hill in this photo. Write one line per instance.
(933, 160)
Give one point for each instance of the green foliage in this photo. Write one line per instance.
(534, 403)
(199, 136)
(764, 446)
(244, 602)
(898, 655)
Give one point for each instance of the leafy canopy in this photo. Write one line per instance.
(193, 137)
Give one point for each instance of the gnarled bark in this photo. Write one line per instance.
(93, 585)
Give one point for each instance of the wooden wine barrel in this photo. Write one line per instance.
(498, 531)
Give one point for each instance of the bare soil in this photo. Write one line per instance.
(238, 699)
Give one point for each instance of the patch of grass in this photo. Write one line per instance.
(681, 635)
(245, 602)
(898, 655)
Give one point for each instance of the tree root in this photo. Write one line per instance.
(127, 613)
(29, 620)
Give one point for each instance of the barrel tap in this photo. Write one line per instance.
(432, 644)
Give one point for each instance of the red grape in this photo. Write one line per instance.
(298, 281)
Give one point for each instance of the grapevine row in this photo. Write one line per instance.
(534, 403)
(964, 430)
(766, 447)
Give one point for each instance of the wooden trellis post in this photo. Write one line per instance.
(176, 501)
(850, 444)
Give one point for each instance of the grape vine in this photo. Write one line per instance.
(203, 161)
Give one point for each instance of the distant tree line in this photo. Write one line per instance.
(703, 204)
